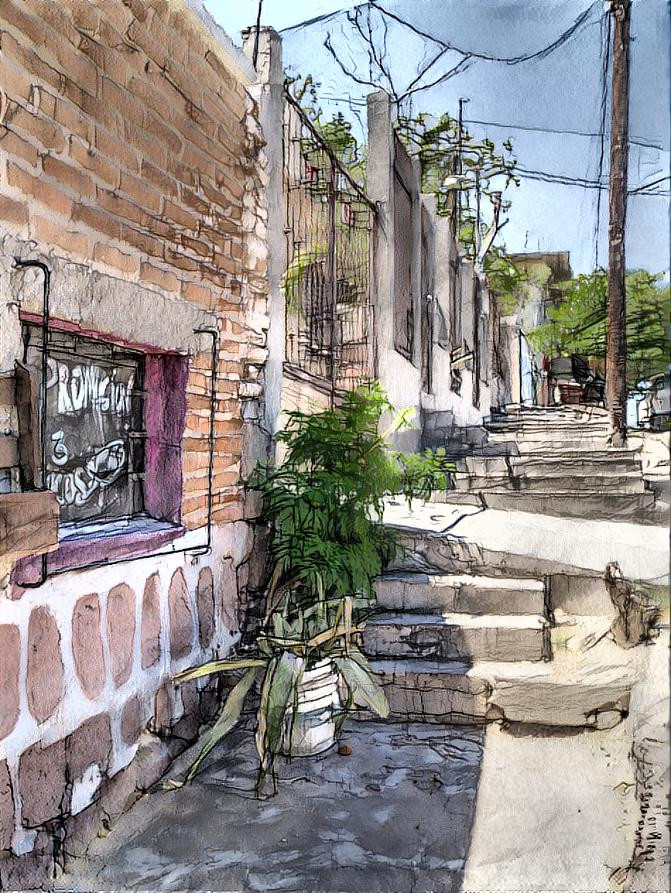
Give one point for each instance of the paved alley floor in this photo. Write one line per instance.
(415, 808)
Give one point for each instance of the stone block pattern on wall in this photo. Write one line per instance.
(74, 775)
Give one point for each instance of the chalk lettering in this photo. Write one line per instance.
(100, 471)
(84, 387)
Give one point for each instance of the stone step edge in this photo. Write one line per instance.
(552, 461)
(458, 619)
(484, 581)
(518, 472)
(552, 494)
(491, 680)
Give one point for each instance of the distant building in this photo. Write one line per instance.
(523, 374)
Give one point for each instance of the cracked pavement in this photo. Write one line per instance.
(416, 807)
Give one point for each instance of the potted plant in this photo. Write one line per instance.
(323, 504)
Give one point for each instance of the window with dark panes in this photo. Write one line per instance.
(95, 430)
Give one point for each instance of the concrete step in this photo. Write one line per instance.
(550, 440)
(431, 691)
(592, 504)
(551, 451)
(469, 593)
(552, 483)
(456, 636)
(543, 694)
(565, 422)
(542, 464)
(543, 446)
(581, 410)
(558, 427)
(463, 539)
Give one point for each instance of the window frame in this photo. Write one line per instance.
(73, 350)
(91, 541)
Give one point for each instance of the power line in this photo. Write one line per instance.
(637, 141)
(485, 57)
(531, 174)
(322, 18)
(640, 189)
(583, 183)
(561, 179)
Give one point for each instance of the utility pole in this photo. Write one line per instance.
(255, 53)
(616, 352)
(454, 213)
(478, 283)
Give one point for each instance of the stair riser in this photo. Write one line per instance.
(607, 506)
(544, 440)
(431, 553)
(553, 465)
(569, 705)
(400, 596)
(561, 432)
(422, 697)
(441, 643)
(565, 429)
(615, 484)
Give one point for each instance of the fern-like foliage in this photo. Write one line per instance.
(325, 501)
(324, 505)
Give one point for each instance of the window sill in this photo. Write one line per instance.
(83, 546)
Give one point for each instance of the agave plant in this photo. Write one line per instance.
(323, 505)
(293, 641)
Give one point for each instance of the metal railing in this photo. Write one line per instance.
(326, 284)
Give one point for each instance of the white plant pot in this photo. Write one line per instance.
(314, 721)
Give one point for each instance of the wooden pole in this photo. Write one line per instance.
(616, 351)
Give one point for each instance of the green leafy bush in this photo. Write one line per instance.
(324, 503)
(324, 506)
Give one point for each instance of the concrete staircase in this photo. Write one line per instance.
(493, 643)
(553, 461)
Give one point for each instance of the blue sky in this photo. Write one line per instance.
(561, 92)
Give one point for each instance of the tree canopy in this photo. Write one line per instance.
(336, 130)
(454, 162)
(579, 325)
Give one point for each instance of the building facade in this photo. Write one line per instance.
(133, 322)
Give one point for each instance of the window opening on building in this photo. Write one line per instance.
(95, 431)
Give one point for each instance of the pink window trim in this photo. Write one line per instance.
(165, 415)
(92, 550)
(65, 325)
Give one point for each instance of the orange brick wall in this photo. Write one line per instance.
(128, 142)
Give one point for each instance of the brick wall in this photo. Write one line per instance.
(131, 162)
(125, 142)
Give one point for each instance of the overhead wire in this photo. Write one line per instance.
(526, 173)
(640, 190)
(513, 60)
(541, 53)
(584, 183)
(634, 140)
